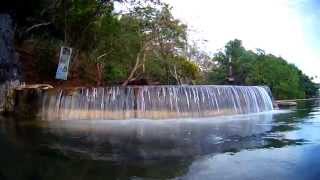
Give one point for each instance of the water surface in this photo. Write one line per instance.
(280, 145)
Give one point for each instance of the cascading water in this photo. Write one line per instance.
(154, 102)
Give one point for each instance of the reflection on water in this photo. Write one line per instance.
(278, 145)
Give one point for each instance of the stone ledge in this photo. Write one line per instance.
(34, 86)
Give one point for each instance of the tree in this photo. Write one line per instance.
(276, 73)
(163, 38)
(105, 31)
(285, 80)
(199, 56)
(235, 56)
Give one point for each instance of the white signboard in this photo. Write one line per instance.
(64, 61)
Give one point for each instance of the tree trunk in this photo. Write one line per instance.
(99, 74)
(133, 71)
(143, 63)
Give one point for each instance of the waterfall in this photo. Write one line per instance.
(153, 102)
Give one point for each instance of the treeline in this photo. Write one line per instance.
(140, 42)
(285, 80)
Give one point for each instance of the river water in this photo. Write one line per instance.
(283, 144)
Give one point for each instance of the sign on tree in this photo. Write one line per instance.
(64, 61)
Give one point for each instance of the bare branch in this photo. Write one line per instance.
(37, 26)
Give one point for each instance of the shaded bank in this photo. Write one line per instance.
(10, 74)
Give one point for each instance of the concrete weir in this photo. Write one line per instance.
(138, 102)
(152, 102)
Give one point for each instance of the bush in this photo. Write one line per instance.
(46, 59)
(115, 73)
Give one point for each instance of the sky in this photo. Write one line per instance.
(286, 28)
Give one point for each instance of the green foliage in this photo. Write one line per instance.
(147, 42)
(217, 76)
(154, 70)
(241, 63)
(115, 73)
(280, 76)
(46, 52)
(310, 88)
(285, 80)
(159, 40)
(185, 71)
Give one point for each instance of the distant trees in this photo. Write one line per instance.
(285, 80)
(281, 77)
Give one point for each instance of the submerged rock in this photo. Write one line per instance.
(283, 104)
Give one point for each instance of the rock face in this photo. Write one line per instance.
(10, 74)
(9, 66)
(7, 96)
(27, 103)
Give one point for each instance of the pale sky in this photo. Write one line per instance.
(287, 28)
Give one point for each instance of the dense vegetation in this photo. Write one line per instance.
(143, 41)
(257, 68)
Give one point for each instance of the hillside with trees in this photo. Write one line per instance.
(144, 43)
